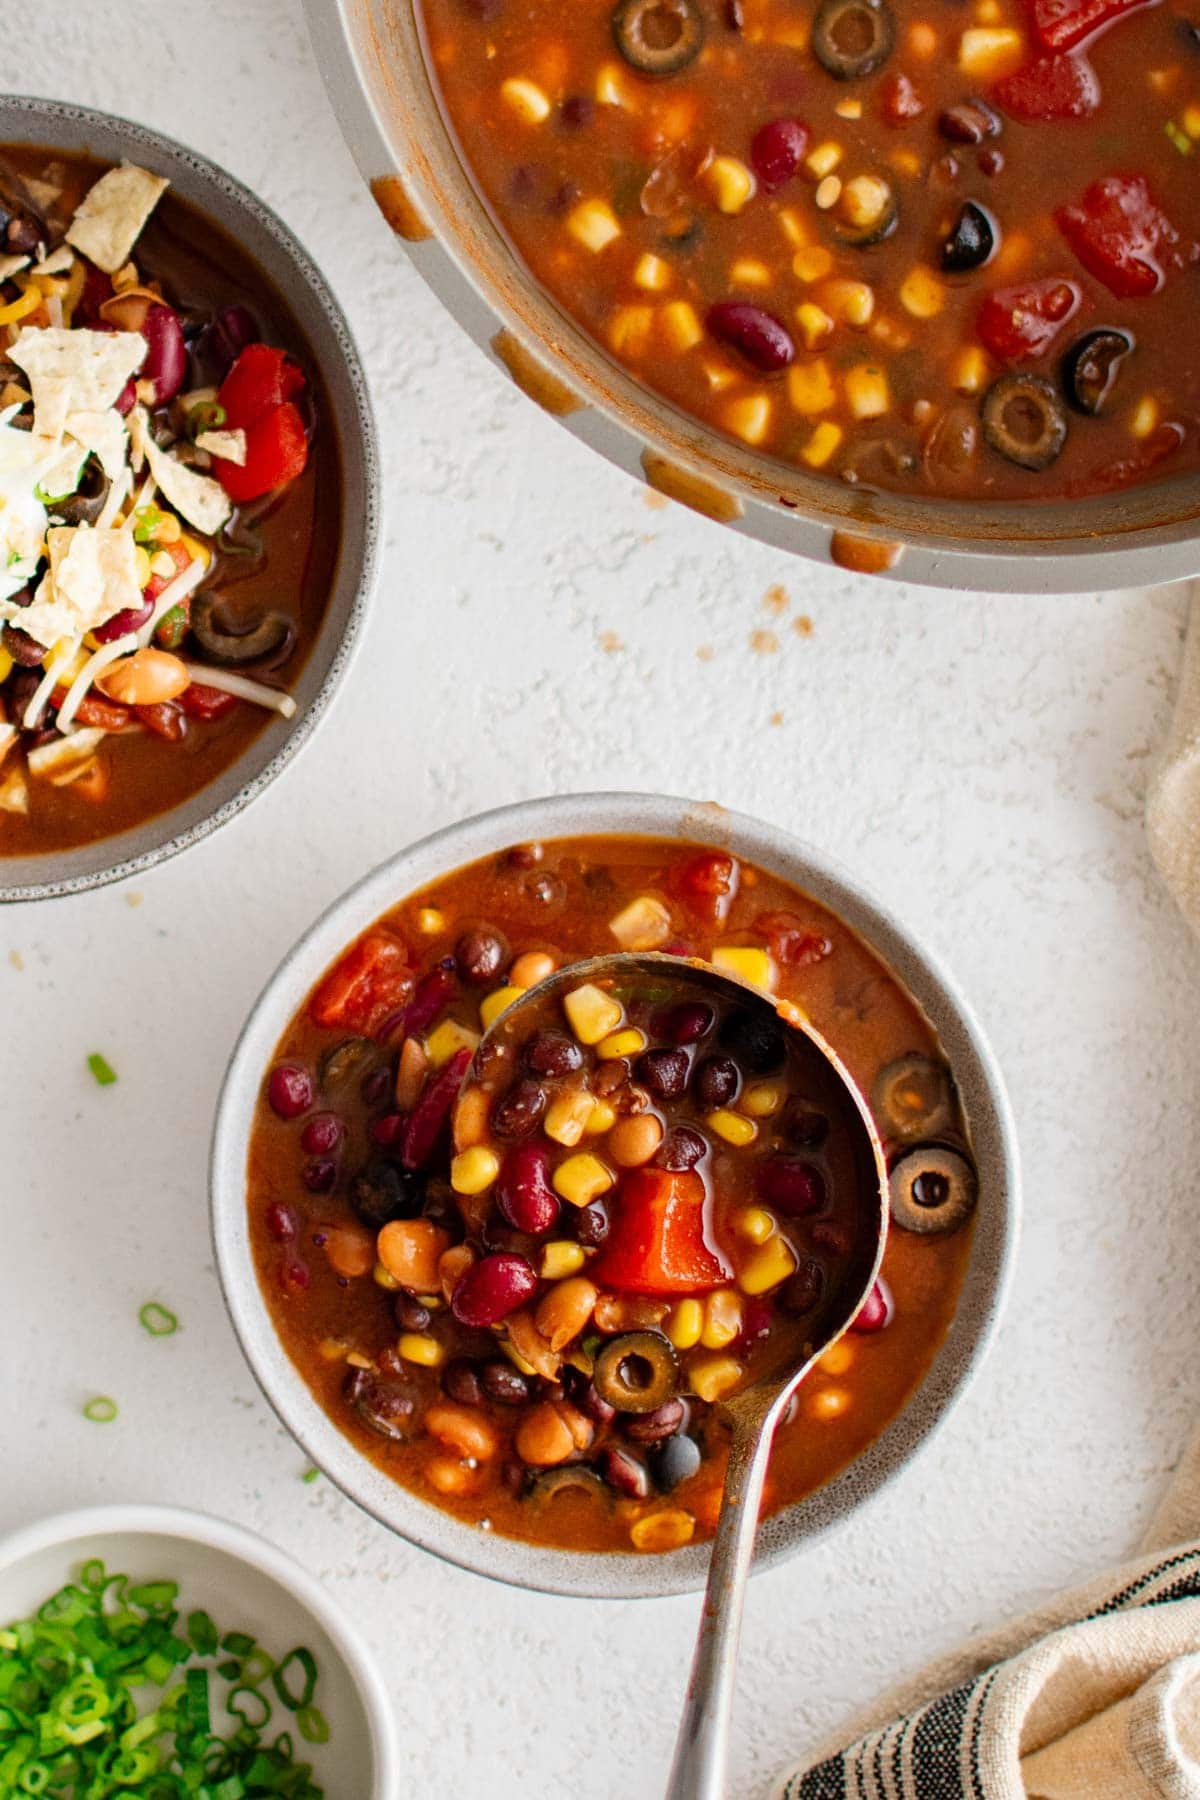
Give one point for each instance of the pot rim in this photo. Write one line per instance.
(456, 247)
(358, 556)
(619, 1575)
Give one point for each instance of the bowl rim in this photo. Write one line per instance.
(363, 560)
(141, 1519)
(621, 1575)
(464, 257)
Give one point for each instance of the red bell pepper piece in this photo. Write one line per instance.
(1020, 323)
(261, 379)
(423, 1126)
(790, 940)
(1053, 87)
(166, 719)
(656, 1244)
(1118, 234)
(109, 715)
(366, 986)
(1061, 24)
(207, 703)
(708, 883)
(276, 452)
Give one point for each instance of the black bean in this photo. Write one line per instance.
(381, 1191)
(805, 1126)
(716, 1082)
(504, 1384)
(577, 112)
(801, 1291)
(22, 236)
(674, 1462)
(625, 1472)
(755, 1039)
(553, 1053)
(460, 1379)
(518, 1113)
(24, 650)
(591, 1224)
(664, 1072)
(681, 1149)
(970, 122)
(479, 955)
(410, 1314)
(652, 1427)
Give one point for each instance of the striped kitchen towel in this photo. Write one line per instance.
(1095, 1696)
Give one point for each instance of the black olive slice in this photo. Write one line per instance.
(932, 1189)
(636, 1372)
(1024, 419)
(658, 37)
(972, 240)
(570, 1478)
(913, 1098)
(853, 37)
(265, 635)
(85, 505)
(1092, 365)
(867, 211)
(344, 1060)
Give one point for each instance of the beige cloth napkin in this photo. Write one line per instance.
(1095, 1696)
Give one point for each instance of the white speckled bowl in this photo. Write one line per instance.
(323, 324)
(983, 1096)
(247, 1585)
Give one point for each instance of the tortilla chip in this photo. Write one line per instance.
(105, 435)
(75, 371)
(202, 501)
(230, 446)
(109, 219)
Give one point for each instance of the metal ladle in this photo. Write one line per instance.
(701, 1747)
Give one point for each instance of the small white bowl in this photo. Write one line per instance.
(247, 1585)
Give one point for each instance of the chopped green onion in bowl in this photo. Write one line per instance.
(158, 1320)
(101, 1409)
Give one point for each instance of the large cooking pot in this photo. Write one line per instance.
(371, 56)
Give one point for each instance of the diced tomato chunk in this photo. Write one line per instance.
(93, 709)
(1053, 87)
(261, 379)
(708, 882)
(276, 452)
(900, 101)
(366, 987)
(1061, 24)
(202, 702)
(166, 719)
(790, 940)
(1118, 234)
(656, 1244)
(1020, 323)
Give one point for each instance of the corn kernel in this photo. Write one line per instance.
(815, 325)
(821, 445)
(567, 1116)
(430, 921)
(732, 1127)
(849, 109)
(662, 1530)
(748, 416)
(581, 1179)
(793, 227)
(770, 1264)
(357, 1360)
(746, 963)
(812, 262)
(629, 329)
(447, 1040)
(718, 376)
(731, 182)
(629, 1042)
(681, 325)
(987, 12)
(906, 162)
(169, 530)
(6, 664)
(921, 293)
(827, 1403)
(642, 925)
(829, 192)
(526, 99)
(763, 1099)
(685, 1322)
(473, 1171)
(652, 273)
(722, 1319)
(747, 271)
(141, 558)
(593, 224)
(866, 389)
(1191, 121)
(987, 53)
(810, 389)
(864, 201)
(384, 1278)
(531, 967)
(591, 1013)
(560, 1258)
(823, 160)
(712, 1376)
(850, 302)
(516, 1359)
(493, 1005)
(415, 1347)
(602, 1118)
(969, 371)
(331, 1349)
(1145, 417)
(838, 1358)
(754, 1223)
(891, 332)
(923, 40)
(610, 86)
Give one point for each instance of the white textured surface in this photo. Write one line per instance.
(980, 761)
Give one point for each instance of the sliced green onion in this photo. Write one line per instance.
(202, 1633)
(309, 1476)
(158, 1320)
(102, 1069)
(279, 1680)
(101, 1409)
(313, 1725)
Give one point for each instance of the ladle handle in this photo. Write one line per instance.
(701, 1749)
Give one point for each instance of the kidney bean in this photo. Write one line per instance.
(577, 112)
(21, 235)
(652, 1427)
(165, 718)
(504, 1384)
(756, 1323)
(876, 1310)
(592, 1223)
(281, 1222)
(492, 1288)
(323, 1133)
(518, 1113)
(460, 1380)
(802, 1290)
(681, 1149)
(294, 1276)
(625, 1472)
(428, 1117)
(523, 1192)
(970, 122)
(664, 1072)
(791, 1185)
(130, 618)
(433, 993)
(410, 1315)
(777, 149)
(759, 336)
(25, 651)
(479, 955)
(233, 328)
(290, 1090)
(716, 1082)
(165, 362)
(388, 1128)
(320, 1175)
(582, 1391)
(688, 1022)
(553, 1053)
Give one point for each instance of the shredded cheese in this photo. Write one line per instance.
(46, 759)
(243, 687)
(46, 686)
(94, 666)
